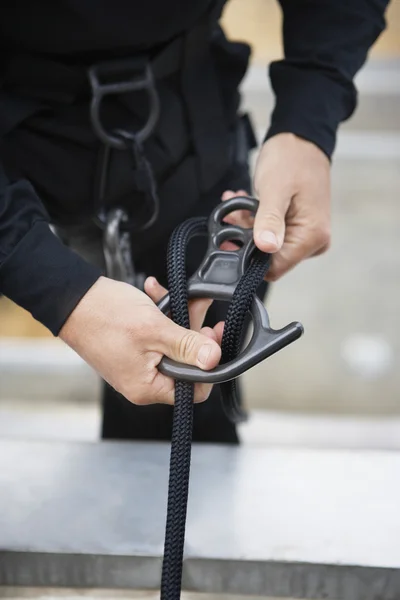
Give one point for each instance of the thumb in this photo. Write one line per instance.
(189, 347)
(269, 224)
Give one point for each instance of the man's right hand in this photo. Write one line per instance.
(120, 332)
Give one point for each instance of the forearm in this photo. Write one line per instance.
(37, 271)
(326, 42)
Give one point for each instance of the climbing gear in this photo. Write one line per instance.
(116, 78)
(136, 125)
(118, 252)
(223, 275)
(156, 121)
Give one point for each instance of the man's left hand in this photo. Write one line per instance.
(292, 183)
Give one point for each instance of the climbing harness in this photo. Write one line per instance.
(192, 137)
(231, 276)
(196, 144)
(223, 275)
(118, 251)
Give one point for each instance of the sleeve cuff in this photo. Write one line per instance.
(45, 277)
(310, 103)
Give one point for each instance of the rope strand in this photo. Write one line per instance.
(181, 442)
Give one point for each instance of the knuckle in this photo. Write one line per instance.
(272, 217)
(132, 395)
(202, 392)
(186, 344)
(273, 276)
(145, 327)
(163, 390)
(323, 236)
(273, 221)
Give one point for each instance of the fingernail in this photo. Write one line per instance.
(204, 354)
(268, 238)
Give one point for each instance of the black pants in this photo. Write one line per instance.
(123, 420)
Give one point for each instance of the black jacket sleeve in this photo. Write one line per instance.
(325, 43)
(36, 270)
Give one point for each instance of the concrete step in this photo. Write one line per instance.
(77, 417)
(46, 593)
(265, 521)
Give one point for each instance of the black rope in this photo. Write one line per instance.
(234, 328)
(181, 441)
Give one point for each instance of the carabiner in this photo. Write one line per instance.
(117, 251)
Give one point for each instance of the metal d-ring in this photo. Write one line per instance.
(144, 81)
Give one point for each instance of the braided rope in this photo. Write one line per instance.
(181, 442)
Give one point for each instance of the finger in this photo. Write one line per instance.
(165, 388)
(202, 392)
(242, 218)
(214, 333)
(164, 391)
(300, 243)
(238, 217)
(228, 194)
(274, 201)
(218, 330)
(269, 225)
(197, 308)
(154, 289)
(209, 332)
(186, 346)
(197, 312)
(320, 251)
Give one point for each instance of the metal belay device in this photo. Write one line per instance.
(226, 275)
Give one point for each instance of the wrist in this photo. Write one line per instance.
(45, 277)
(75, 326)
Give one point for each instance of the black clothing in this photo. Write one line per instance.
(124, 420)
(50, 156)
(121, 418)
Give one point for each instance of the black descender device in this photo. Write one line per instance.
(217, 277)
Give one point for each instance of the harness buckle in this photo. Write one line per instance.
(115, 78)
(122, 77)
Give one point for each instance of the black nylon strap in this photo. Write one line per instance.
(45, 79)
(29, 81)
(180, 457)
(206, 114)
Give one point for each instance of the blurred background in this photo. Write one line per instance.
(340, 384)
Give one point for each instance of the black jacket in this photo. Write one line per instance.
(325, 42)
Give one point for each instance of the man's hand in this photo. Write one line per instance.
(121, 333)
(292, 183)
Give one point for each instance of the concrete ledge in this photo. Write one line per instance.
(296, 524)
(52, 593)
(35, 368)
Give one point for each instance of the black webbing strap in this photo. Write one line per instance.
(171, 581)
(14, 110)
(206, 114)
(44, 79)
